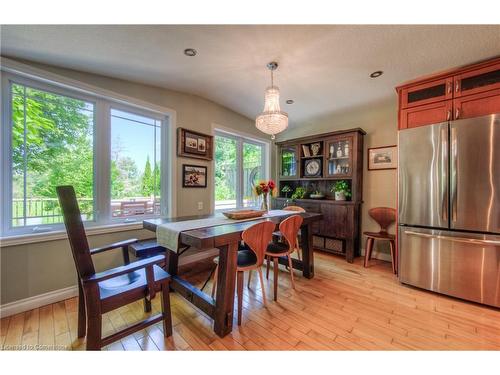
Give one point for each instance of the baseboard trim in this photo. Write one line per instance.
(31, 303)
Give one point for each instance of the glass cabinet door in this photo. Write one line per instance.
(288, 157)
(339, 157)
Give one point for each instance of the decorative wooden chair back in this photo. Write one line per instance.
(384, 216)
(289, 229)
(257, 237)
(294, 208)
(75, 230)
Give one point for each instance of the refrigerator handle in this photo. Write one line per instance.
(444, 179)
(471, 241)
(454, 171)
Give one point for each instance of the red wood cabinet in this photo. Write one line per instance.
(426, 114)
(481, 104)
(427, 92)
(461, 93)
(476, 81)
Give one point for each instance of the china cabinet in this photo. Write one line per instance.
(312, 165)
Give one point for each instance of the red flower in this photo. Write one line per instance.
(271, 184)
(265, 189)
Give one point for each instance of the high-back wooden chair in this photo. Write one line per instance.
(384, 216)
(288, 229)
(278, 233)
(102, 292)
(256, 239)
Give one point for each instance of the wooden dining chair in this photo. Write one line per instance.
(251, 257)
(384, 216)
(104, 291)
(289, 229)
(278, 233)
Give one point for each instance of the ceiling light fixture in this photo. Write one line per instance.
(272, 120)
(376, 74)
(190, 52)
(290, 101)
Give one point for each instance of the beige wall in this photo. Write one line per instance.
(379, 120)
(32, 269)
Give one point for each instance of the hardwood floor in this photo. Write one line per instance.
(345, 307)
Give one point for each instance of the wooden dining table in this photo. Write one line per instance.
(226, 238)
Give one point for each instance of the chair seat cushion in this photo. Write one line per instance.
(246, 258)
(277, 248)
(385, 236)
(130, 281)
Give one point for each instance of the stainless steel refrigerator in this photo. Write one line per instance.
(449, 208)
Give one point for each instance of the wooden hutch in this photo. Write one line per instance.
(340, 157)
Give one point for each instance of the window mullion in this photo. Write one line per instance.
(25, 157)
(239, 173)
(102, 162)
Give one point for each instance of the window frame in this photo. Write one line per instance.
(241, 139)
(101, 153)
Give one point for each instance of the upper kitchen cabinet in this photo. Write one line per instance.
(477, 80)
(480, 104)
(428, 92)
(469, 91)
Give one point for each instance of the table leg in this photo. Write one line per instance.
(224, 299)
(171, 262)
(307, 251)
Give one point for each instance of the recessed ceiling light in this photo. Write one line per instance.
(376, 74)
(289, 101)
(190, 52)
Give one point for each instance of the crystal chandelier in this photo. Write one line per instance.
(272, 120)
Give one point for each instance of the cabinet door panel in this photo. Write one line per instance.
(288, 158)
(477, 81)
(426, 114)
(336, 221)
(426, 93)
(485, 103)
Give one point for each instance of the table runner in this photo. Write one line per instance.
(167, 235)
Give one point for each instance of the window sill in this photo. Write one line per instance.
(61, 234)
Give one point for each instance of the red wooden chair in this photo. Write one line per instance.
(288, 229)
(384, 216)
(102, 292)
(256, 239)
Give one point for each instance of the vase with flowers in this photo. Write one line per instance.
(265, 188)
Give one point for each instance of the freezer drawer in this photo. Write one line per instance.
(458, 264)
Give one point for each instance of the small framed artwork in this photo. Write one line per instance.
(382, 158)
(194, 176)
(191, 144)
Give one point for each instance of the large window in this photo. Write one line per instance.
(110, 153)
(52, 144)
(135, 164)
(239, 164)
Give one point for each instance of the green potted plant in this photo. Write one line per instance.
(285, 190)
(341, 190)
(299, 193)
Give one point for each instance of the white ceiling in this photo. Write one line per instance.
(322, 68)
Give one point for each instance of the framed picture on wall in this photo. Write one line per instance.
(191, 144)
(194, 176)
(385, 157)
